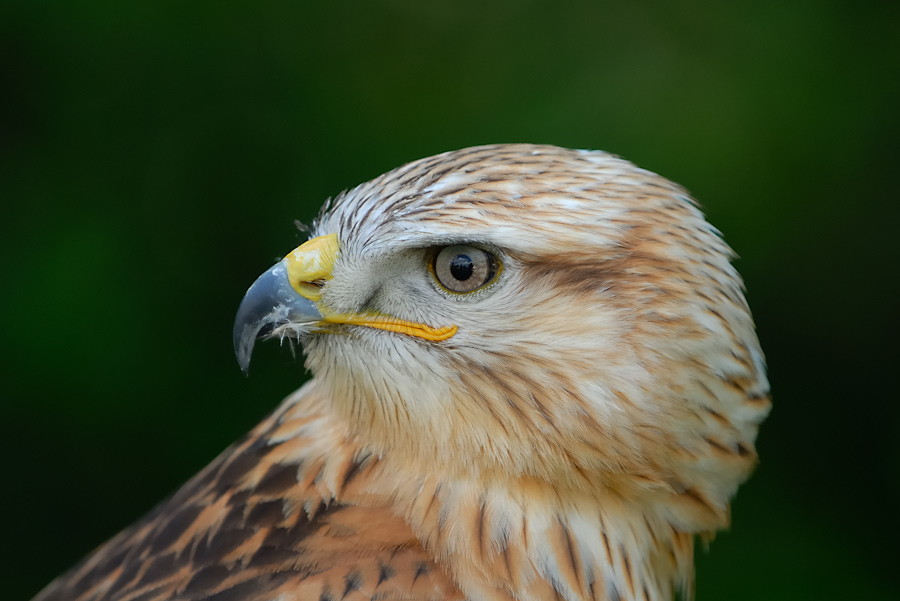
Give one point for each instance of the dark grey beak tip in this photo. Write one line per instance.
(244, 341)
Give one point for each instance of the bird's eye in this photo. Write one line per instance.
(462, 268)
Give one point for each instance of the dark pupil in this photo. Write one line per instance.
(461, 267)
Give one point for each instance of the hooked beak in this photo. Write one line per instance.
(290, 292)
(286, 293)
(269, 303)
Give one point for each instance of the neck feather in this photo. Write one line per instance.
(502, 538)
(532, 543)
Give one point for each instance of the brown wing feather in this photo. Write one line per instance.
(277, 515)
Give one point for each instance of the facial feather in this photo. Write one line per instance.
(615, 293)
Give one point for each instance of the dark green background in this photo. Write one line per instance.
(154, 154)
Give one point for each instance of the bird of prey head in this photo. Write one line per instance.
(535, 376)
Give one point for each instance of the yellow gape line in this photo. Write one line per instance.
(310, 265)
(393, 324)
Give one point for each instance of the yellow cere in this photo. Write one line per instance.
(311, 264)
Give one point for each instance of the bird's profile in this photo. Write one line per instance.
(535, 377)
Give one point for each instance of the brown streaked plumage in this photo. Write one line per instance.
(594, 407)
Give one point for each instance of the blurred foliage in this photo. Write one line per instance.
(154, 154)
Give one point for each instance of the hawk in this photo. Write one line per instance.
(535, 377)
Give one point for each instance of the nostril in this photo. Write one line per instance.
(311, 289)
